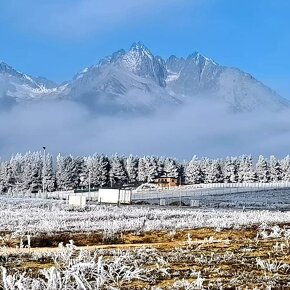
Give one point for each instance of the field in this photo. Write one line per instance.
(46, 245)
(223, 197)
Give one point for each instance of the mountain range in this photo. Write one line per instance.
(137, 81)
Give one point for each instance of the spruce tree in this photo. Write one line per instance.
(262, 170)
(193, 172)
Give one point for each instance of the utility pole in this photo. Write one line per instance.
(43, 175)
(89, 183)
(43, 170)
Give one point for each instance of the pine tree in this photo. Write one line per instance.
(160, 166)
(275, 169)
(96, 171)
(205, 166)
(6, 177)
(215, 173)
(142, 176)
(66, 173)
(48, 174)
(262, 170)
(170, 168)
(151, 168)
(118, 175)
(193, 172)
(132, 169)
(32, 175)
(230, 170)
(16, 165)
(246, 170)
(285, 166)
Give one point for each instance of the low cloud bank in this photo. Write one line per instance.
(200, 128)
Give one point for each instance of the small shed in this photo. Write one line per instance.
(77, 201)
(115, 196)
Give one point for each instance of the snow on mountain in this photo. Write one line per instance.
(132, 81)
(138, 81)
(201, 77)
(18, 87)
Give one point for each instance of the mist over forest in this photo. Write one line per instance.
(199, 129)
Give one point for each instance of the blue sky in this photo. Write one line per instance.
(57, 38)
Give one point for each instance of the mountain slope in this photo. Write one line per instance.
(18, 87)
(137, 81)
(201, 77)
(126, 82)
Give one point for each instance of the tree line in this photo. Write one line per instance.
(32, 170)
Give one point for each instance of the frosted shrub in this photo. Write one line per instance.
(272, 266)
(185, 285)
(64, 254)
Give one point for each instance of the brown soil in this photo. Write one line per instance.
(205, 242)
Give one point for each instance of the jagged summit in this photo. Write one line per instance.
(7, 69)
(200, 58)
(141, 49)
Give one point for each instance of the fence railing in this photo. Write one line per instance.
(218, 185)
(207, 189)
(173, 192)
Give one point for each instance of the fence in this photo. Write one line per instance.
(218, 185)
(206, 189)
(174, 194)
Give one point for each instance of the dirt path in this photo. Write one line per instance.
(130, 240)
(6, 250)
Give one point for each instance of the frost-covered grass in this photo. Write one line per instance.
(32, 216)
(231, 259)
(203, 258)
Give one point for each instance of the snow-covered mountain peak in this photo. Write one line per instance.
(7, 69)
(135, 58)
(141, 49)
(140, 61)
(137, 80)
(199, 58)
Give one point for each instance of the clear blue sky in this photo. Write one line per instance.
(57, 38)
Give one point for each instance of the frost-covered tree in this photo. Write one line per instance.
(170, 168)
(151, 168)
(246, 171)
(96, 171)
(285, 166)
(142, 175)
(132, 169)
(48, 176)
(193, 172)
(160, 166)
(17, 164)
(215, 174)
(181, 171)
(67, 174)
(275, 169)
(230, 170)
(7, 181)
(262, 170)
(205, 166)
(118, 174)
(32, 172)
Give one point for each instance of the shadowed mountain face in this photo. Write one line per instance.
(136, 81)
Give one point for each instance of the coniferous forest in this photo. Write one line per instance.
(28, 172)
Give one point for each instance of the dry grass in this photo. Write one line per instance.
(225, 257)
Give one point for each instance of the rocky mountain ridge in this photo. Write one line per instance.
(138, 81)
